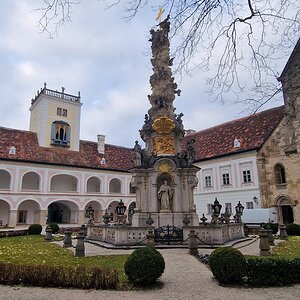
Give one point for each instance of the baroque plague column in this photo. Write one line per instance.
(163, 176)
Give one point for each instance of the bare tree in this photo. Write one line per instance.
(241, 40)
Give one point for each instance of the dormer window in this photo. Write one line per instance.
(12, 150)
(103, 161)
(236, 143)
(60, 134)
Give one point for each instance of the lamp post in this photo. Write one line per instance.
(120, 211)
(106, 217)
(89, 213)
(216, 207)
(239, 212)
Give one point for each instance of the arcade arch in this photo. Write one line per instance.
(5, 179)
(115, 186)
(28, 212)
(31, 181)
(4, 213)
(93, 185)
(111, 210)
(63, 211)
(97, 210)
(63, 183)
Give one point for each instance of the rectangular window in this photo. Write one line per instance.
(209, 209)
(59, 111)
(225, 179)
(228, 207)
(249, 205)
(246, 176)
(65, 113)
(207, 181)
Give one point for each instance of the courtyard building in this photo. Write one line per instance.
(49, 175)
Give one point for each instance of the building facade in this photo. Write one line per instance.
(48, 175)
(279, 158)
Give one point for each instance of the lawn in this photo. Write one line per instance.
(288, 249)
(34, 250)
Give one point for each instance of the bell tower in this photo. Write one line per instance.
(164, 176)
(55, 117)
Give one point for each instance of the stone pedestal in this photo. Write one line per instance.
(264, 244)
(282, 232)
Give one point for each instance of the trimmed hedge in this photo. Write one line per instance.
(273, 271)
(273, 226)
(55, 228)
(57, 276)
(293, 229)
(144, 266)
(228, 265)
(35, 229)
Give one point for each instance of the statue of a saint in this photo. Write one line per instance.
(165, 195)
(137, 158)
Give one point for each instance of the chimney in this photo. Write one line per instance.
(101, 143)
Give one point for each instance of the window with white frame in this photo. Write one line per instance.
(228, 207)
(209, 209)
(225, 175)
(207, 181)
(225, 179)
(249, 205)
(246, 170)
(246, 176)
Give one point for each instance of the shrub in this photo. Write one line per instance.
(54, 227)
(144, 266)
(293, 229)
(59, 276)
(35, 229)
(228, 265)
(273, 271)
(273, 226)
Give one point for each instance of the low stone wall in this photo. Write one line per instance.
(129, 236)
(211, 234)
(118, 235)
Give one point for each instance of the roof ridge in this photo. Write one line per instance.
(235, 120)
(106, 144)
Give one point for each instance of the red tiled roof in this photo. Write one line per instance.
(28, 149)
(252, 131)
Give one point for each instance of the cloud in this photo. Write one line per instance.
(99, 54)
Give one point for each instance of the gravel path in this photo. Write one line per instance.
(184, 278)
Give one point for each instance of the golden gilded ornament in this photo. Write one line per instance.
(163, 125)
(165, 167)
(164, 145)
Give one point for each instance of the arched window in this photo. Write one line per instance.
(63, 183)
(279, 174)
(60, 134)
(93, 185)
(115, 186)
(4, 180)
(31, 181)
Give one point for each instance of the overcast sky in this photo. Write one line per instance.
(105, 58)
